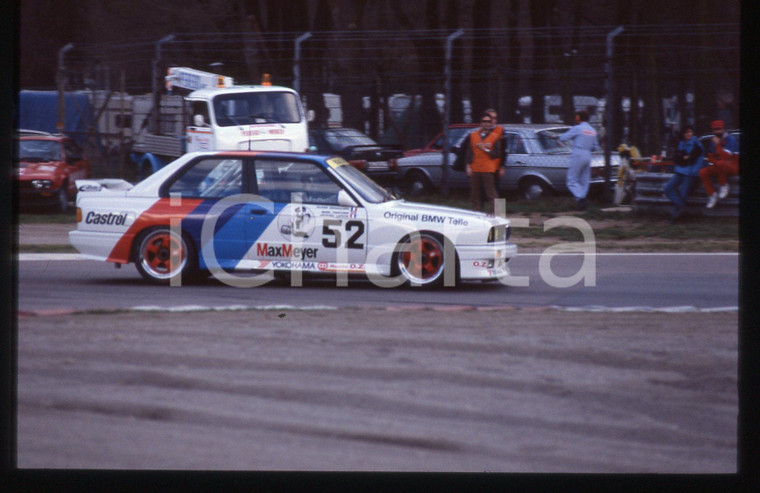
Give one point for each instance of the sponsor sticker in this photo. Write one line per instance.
(337, 162)
(298, 222)
(285, 250)
(107, 218)
(335, 267)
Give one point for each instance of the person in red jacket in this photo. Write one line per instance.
(723, 156)
(483, 157)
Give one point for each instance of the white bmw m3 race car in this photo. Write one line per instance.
(244, 215)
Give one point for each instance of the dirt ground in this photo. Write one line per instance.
(507, 390)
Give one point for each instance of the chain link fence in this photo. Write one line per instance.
(640, 83)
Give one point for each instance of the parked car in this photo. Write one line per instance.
(536, 164)
(456, 131)
(360, 150)
(705, 139)
(216, 212)
(47, 167)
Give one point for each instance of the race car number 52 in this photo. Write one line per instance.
(332, 233)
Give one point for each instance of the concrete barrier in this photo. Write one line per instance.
(648, 196)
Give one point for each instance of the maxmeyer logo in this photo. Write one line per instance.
(109, 218)
(284, 251)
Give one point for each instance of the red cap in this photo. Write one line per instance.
(717, 124)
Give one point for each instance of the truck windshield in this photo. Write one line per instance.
(253, 108)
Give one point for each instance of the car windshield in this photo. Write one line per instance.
(550, 143)
(39, 151)
(363, 185)
(455, 134)
(341, 138)
(256, 108)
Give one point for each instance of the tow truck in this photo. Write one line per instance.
(224, 116)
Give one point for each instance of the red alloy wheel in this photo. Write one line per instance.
(162, 254)
(421, 259)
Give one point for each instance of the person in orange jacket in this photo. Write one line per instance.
(482, 161)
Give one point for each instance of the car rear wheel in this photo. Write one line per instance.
(420, 258)
(533, 188)
(163, 255)
(417, 183)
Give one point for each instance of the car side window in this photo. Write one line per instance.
(295, 181)
(199, 108)
(515, 144)
(210, 178)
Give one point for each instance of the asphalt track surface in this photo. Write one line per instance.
(637, 374)
(698, 281)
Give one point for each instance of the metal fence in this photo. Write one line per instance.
(397, 85)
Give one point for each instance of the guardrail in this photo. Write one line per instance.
(649, 197)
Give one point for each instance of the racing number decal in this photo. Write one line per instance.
(327, 231)
(359, 231)
(331, 229)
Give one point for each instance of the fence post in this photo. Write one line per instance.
(156, 87)
(297, 61)
(447, 114)
(609, 111)
(59, 126)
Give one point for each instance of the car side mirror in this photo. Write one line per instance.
(310, 115)
(345, 200)
(198, 120)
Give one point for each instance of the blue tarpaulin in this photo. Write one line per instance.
(38, 110)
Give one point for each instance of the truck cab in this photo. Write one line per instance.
(222, 116)
(262, 117)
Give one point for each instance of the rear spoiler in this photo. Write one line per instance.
(111, 184)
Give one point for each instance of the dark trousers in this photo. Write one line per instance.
(487, 181)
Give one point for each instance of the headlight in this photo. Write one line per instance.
(498, 234)
(42, 184)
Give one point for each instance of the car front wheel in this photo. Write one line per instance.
(163, 255)
(421, 259)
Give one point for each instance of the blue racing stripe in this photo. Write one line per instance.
(235, 230)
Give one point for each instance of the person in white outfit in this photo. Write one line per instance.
(585, 142)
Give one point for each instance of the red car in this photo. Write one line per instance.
(456, 130)
(48, 165)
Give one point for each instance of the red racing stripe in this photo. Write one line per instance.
(159, 214)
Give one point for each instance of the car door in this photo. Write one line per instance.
(517, 160)
(216, 184)
(458, 179)
(304, 226)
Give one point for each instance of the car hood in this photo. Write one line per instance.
(38, 170)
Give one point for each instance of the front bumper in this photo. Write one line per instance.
(38, 197)
(487, 262)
